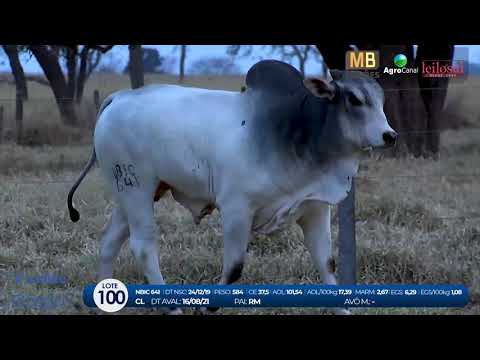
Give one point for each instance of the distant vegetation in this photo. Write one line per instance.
(217, 66)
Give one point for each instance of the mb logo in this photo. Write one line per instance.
(362, 60)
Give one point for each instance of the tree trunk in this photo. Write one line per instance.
(17, 70)
(82, 74)
(136, 66)
(89, 60)
(71, 71)
(410, 110)
(433, 92)
(302, 58)
(49, 63)
(404, 107)
(183, 54)
(302, 66)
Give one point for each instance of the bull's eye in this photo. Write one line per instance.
(353, 99)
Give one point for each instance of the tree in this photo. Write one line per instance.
(169, 62)
(169, 65)
(183, 55)
(413, 104)
(403, 104)
(135, 67)
(433, 92)
(110, 64)
(48, 59)
(89, 60)
(299, 52)
(17, 70)
(71, 61)
(21, 87)
(288, 53)
(64, 88)
(89, 57)
(239, 50)
(152, 61)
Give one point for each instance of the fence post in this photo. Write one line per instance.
(346, 239)
(19, 116)
(96, 99)
(1, 123)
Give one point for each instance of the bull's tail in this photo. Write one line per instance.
(74, 214)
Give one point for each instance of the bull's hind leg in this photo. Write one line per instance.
(138, 205)
(115, 234)
(315, 224)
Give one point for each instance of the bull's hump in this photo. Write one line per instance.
(275, 77)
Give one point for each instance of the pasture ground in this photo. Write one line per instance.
(418, 220)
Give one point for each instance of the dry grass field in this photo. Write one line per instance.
(418, 220)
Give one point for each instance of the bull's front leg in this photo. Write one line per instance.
(237, 223)
(315, 224)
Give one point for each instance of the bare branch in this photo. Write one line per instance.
(306, 50)
(234, 50)
(93, 61)
(102, 48)
(297, 51)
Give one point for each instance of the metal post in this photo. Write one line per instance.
(346, 239)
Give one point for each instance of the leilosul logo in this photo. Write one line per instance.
(400, 61)
(443, 68)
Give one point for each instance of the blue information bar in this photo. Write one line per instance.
(141, 296)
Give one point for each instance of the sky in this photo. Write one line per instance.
(119, 56)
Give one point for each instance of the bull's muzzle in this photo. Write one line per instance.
(390, 138)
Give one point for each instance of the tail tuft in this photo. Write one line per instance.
(74, 215)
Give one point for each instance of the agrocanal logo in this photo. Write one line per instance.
(400, 62)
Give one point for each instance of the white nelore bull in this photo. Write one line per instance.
(282, 151)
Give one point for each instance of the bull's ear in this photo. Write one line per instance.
(320, 87)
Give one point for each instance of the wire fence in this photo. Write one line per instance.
(346, 210)
(51, 99)
(68, 182)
